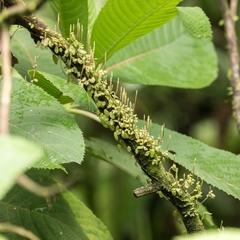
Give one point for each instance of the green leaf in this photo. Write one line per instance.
(110, 153)
(225, 234)
(195, 21)
(25, 50)
(3, 238)
(216, 167)
(91, 225)
(92, 14)
(63, 91)
(164, 56)
(71, 12)
(47, 218)
(39, 117)
(121, 22)
(17, 154)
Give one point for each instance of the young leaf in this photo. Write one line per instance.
(109, 153)
(64, 92)
(216, 167)
(37, 116)
(121, 22)
(71, 12)
(164, 56)
(47, 218)
(195, 21)
(17, 154)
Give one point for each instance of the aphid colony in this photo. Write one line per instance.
(115, 113)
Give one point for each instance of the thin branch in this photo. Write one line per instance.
(7, 227)
(229, 15)
(20, 8)
(233, 7)
(42, 191)
(7, 83)
(84, 113)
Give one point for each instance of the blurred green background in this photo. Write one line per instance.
(204, 114)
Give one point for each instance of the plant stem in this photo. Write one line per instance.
(7, 82)
(229, 15)
(117, 114)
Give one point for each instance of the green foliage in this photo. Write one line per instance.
(120, 158)
(195, 21)
(37, 116)
(172, 50)
(3, 238)
(17, 154)
(217, 167)
(70, 13)
(64, 92)
(145, 42)
(28, 55)
(59, 217)
(116, 25)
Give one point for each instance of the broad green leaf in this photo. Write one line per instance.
(39, 117)
(110, 153)
(63, 91)
(121, 22)
(168, 56)
(70, 13)
(216, 167)
(225, 234)
(47, 218)
(195, 21)
(17, 154)
(92, 14)
(3, 238)
(91, 225)
(25, 50)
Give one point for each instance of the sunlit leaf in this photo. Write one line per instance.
(195, 21)
(121, 22)
(168, 56)
(17, 154)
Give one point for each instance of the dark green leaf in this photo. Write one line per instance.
(63, 91)
(217, 167)
(90, 224)
(110, 153)
(39, 117)
(29, 54)
(48, 218)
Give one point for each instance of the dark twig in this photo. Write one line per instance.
(229, 12)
